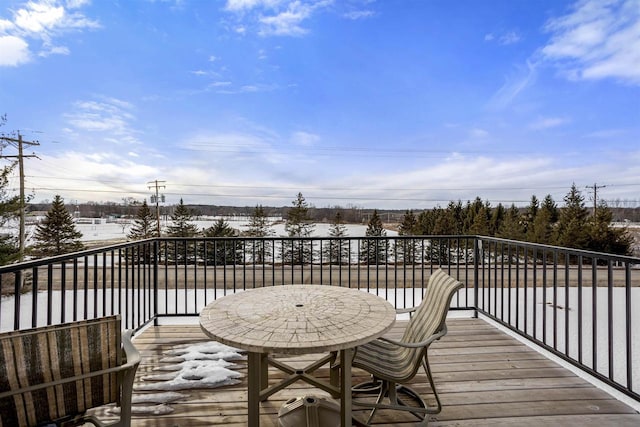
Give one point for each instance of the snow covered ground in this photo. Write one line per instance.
(98, 229)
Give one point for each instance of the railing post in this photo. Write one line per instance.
(156, 253)
(476, 255)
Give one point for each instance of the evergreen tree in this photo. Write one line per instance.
(144, 227)
(144, 224)
(476, 217)
(406, 250)
(57, 234)
(512, 227)
(603, 237)
(259, 250)
(571, 231)
(427, 221)
(550, 206)
(450, 220)
(9, 208)
(498, 216)
(479, 220)
(298, 224)
(223, 251)
(259, 224)
(181, 225)
(374, 251)
(531, 213)
(541, 230)
(337, 251)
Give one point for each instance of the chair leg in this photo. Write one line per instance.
(384, 389)
(391, 391)
(427, 368)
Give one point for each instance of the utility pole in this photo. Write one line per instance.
(157, 184)
(595, 188)
(19, 142)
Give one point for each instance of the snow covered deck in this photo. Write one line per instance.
(485, 378)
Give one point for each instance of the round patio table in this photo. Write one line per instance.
(297, 319)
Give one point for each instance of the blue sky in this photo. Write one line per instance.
(401, 104)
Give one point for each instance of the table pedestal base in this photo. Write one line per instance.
(259, 389)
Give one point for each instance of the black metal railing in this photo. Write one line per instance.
(582, 306)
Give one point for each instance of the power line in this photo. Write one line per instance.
(321, 188)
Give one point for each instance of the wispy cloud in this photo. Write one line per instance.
(244, 5)
(507, 38)
(478, 133)
(359, 14)
(515, 84)
(227, 88)
(287, 22)
(110, 117)
(304, 138)
(597, 39)
(274, 17)
(548, 123)
(41, 22)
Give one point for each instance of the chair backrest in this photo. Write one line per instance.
(430, 316)
(50, 354)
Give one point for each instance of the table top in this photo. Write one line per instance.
(297, 319)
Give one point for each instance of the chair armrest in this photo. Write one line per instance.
(132, 353)
(419, 344)
(405, 310)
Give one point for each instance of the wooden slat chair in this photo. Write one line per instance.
(53, 374)
(392, 363)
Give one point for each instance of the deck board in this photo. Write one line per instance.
(485, 378)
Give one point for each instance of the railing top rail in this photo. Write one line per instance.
(111, 248)
(10, 268)
(571, 251)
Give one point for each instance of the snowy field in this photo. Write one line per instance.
(97, 229)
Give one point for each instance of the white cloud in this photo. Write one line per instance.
(304, 138)
(41, 21)
(243, 5)
(273, 17)
(548, 123)
(359, 14)
(39, 17)
(6, 25)
(510, 37)
(13, 51)
(54, 50)
(110, 117)
(597, 39)
(286, 23)
(75, 4)
(514, 85)
(478, 133)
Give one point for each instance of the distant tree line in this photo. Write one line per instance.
(572, 226)
(350, 214)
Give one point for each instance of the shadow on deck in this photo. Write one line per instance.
(485, 378)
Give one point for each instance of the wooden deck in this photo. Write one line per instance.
(485, 378)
